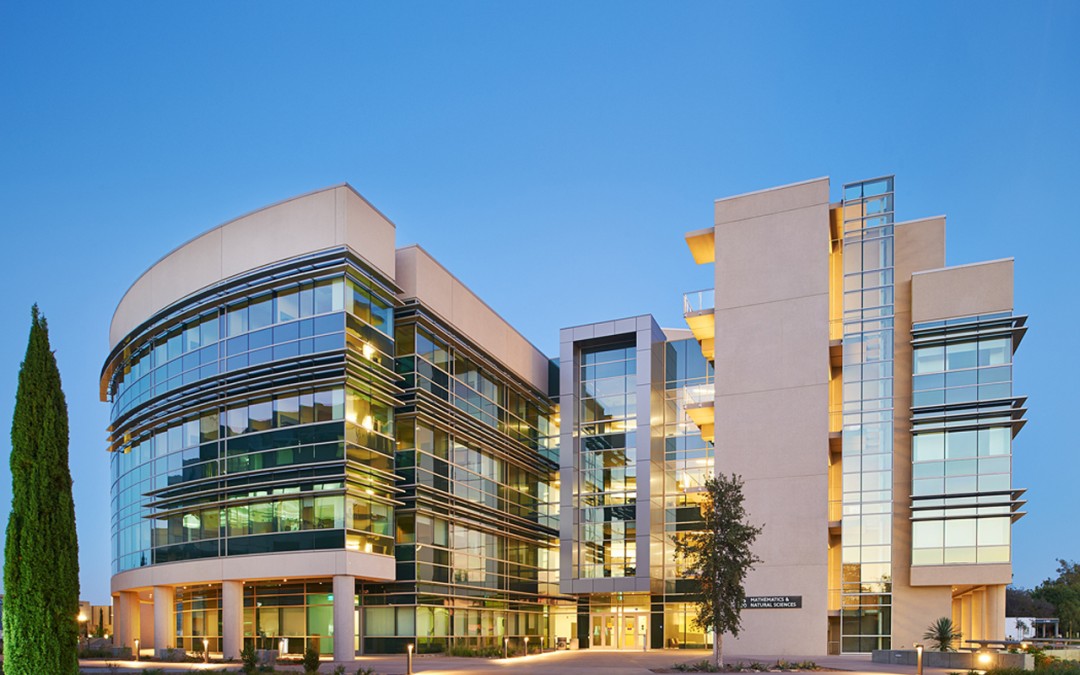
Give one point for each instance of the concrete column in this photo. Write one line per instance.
(232, 618)
(978, 615)
(965, 620)
(126, 619)
(164, 625)
(995, 612)
(344, 618)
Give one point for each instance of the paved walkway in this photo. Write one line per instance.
(586, 662)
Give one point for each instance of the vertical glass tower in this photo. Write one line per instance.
(688, 462)
(866, 591)
(606, 422)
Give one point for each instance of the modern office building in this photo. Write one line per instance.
(321, 440)
(316, 437)
(863, 391)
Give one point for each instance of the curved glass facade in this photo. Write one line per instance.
(257, 417)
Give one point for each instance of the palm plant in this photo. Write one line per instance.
(942, 633)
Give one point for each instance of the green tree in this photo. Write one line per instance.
(1064, 594)
(943, 633)
(718, 557)
(41, 559)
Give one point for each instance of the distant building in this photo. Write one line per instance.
(1030, 627)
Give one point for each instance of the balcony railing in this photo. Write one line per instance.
(699, 301)
(699, 394)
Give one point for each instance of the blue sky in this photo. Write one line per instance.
(540, 151)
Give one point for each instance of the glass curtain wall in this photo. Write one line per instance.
(212, 479)
(688, 462)
(866, 526)
(291, 616)
(476, 546)
(964, 416)
(607, 481)
(198, 618)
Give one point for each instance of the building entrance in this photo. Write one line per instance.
(619, 630)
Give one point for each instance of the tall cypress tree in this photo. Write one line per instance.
(41, 560)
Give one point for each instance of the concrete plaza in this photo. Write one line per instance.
(590, 662)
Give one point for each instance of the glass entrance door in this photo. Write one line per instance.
(604, 633)
(619, 630)
(629, 636)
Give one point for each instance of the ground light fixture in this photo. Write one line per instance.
(985, 659)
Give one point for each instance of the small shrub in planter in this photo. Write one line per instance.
(249, 662)
(311, 660)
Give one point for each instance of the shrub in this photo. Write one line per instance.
(481, 652)
(943, 633)
(1058, 667)
(95, 653)
(311, 660)
(249, 663)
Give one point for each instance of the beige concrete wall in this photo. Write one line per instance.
(928, 291)
(316, 221)
(949, 575)
(422, 277)
(772, 374)
(980, 288)
(358, 564)
(919, 245)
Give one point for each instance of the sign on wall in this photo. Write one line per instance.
(773, 602)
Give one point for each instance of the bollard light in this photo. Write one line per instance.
(918, 659)
(206, 650)
(408, 660)
(526, 645)
(136, 649)
(506, 647)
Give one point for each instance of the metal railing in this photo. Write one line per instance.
(699, 301)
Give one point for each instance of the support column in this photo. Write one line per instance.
(965, 619)
(126, 619)
(232, 618)
(995, 612)
(978, 614)
(164, 625)
(344, 618)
